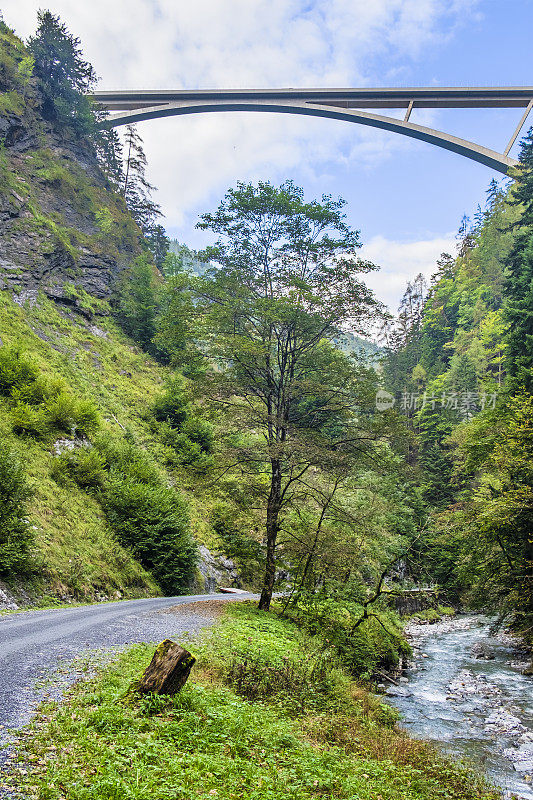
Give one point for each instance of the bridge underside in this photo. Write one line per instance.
(340, 104)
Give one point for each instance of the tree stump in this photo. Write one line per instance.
(167, 672)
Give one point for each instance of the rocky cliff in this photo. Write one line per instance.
(63, 229)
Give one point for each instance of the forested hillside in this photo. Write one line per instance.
(459, 359)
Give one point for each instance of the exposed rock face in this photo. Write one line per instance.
(49, 234)
(7, 600)
(216, 570)
(409, 602)
(15, 135)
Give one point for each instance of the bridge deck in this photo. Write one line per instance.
(421, 97)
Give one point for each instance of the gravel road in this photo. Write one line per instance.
(37, 648)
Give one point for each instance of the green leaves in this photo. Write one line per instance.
(153, 522)
(64, 77)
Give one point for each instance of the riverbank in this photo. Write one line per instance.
(465, 691)
(267, 714)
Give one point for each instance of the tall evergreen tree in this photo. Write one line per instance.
(519, 277)
(109, 151)
(64, 77)
(137, 193)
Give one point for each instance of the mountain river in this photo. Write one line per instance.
(464, 691)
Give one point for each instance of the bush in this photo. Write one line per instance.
(153, 522)
(15, 533)
(200, 432)
(124, 460)
(172, 406)
(266, 659)
(38, 391)
(15, 371)
(73, 416)
(190, 438)
(183, 451)
(84, 467)
(375, 643)
(42, 405)
(29, 420)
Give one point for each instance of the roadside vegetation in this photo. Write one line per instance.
(269, 712)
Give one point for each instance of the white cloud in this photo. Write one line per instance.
(400, 262)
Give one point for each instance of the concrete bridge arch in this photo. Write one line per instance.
(349, 105)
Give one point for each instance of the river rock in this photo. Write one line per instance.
(503, 721)
(482, 650)
(398, 691)
(522, 757)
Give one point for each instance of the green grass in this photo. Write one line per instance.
(210, 742)
(75, 551)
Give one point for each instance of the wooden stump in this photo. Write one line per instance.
(167, 672)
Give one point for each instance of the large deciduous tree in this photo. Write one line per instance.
(284, 278)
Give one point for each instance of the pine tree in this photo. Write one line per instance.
(137, 192)
(109, 152)
(64, 77)
(158, 243)
(519, 278)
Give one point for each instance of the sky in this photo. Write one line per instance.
(407, 198)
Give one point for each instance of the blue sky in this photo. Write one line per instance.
(406, 197)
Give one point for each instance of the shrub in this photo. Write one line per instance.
(190, 437)
(306, 681)
(125, 460)
(264, 658)
(153, 522)
(172, 406)
(37, 392)
(83, 466)
(29, 420)
(375, 643)
(200, 432)
(15, 371)
(15, 533)
(77, 417)
(183, 450)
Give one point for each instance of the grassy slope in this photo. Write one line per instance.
(78, 553)
(309, 741)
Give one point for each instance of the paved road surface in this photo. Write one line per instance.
(35, 644)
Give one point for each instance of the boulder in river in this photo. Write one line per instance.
(398, 691)
(483, 650)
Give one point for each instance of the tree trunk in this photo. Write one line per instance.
(272, 528)
(167, 672)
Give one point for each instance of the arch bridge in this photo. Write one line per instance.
(349, 105)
